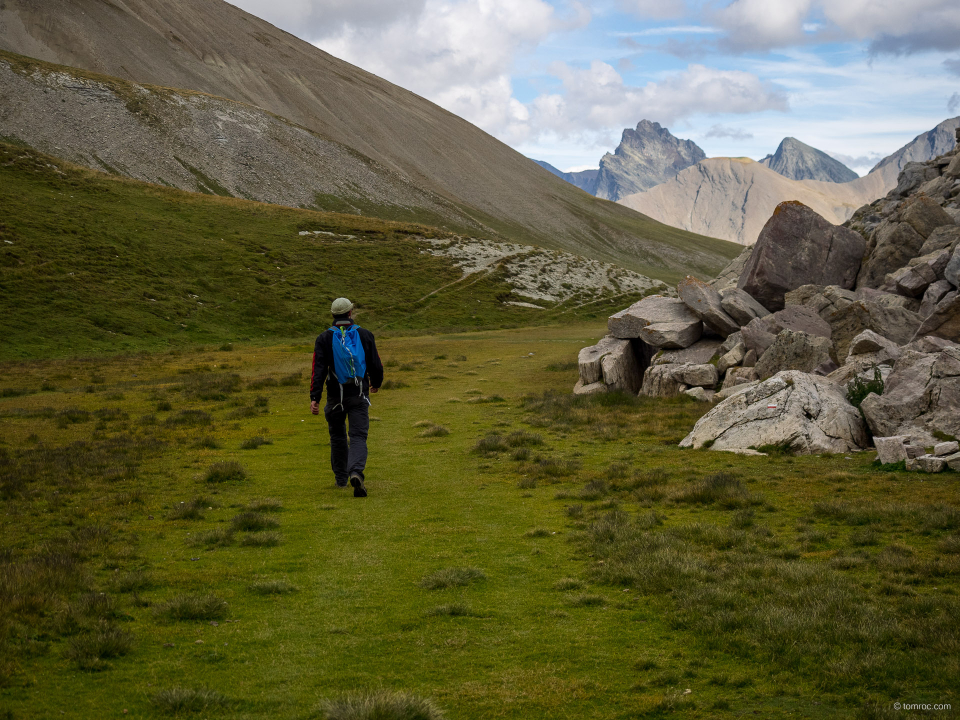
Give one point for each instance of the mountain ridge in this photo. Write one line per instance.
(798, 161)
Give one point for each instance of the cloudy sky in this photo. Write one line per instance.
(559, 79)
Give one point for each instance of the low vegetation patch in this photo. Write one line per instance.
(188, 606)
(452, 577)
(380, 705)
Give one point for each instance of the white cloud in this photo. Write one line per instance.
(891, 26)
(654, 8)
(953, 104)
(722, 131)
(596, 98)
(310, 19)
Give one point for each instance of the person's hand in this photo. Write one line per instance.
(314, 407)
(374, 390)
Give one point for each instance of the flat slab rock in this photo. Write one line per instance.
(807, 413)
(656, 309)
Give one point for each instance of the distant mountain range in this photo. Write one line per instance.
(732, 198)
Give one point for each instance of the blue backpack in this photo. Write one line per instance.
(349, 360)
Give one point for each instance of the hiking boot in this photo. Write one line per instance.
(342, 482)
(358, 489)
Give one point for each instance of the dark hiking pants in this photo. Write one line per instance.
(347, 457)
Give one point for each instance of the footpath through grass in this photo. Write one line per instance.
(172, 544)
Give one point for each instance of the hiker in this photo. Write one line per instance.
(345, 356)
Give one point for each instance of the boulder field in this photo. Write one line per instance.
(810, 318)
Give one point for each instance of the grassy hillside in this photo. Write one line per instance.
(200, 142)
(91, 263)
(522, 554)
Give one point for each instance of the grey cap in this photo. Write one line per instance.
(341, 306)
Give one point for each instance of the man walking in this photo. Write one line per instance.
(345, 356)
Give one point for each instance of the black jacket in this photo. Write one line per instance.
(323, 368)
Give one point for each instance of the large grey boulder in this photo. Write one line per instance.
(806, 413)
(951, 272)
(912, 176)
(611, 364)
(888, 299)
(699, 353)
(895, 243)
(740, 306)
(934, 294)
(760, 333)
(655, 309)
(669, 380)
(672, 334)
(891, 449)
(925, 215)
(798, 247)
(946, 237)
(875, 346)
(823, 300)
(589, 358)
(794, 350)
(944, 321)
(894, 323)
(739, 376)
(705, 302)
(928, 344)
(732, 358)
(921, 397)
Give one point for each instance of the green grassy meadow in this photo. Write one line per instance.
(173, 545)
(92, 264)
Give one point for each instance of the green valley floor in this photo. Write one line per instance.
(173, 545)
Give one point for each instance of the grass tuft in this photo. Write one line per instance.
(177, 700)
(379, 705)
(205, 606)
(261, 539)
(272, 587)
(255, 442)
(451, 577)
(229, 471)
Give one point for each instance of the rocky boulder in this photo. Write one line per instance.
(894, 323)
(760, 333)
(805, 413)
(611, 364)
(740, 306)
(951, 272)
(823, 300)
(895, 243)
(730, 275)
(921, 397)
(669, 380)
(944, 321)
(682, 326)
(705, 302)
(934, 294)
(798, 247)
(699, 353)
(793, 350)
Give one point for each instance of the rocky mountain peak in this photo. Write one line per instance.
(647, 156)
(798, 161)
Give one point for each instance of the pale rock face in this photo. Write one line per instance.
(669, 380)
(698, 393)
(651, 310)
(732, 358)
(946, 237)
(891, 449)
(672, 335)
(944, 321)
(924, 215)
(946, 448)
(868, 343)
(741, 306)
(895, 323)
(951, 272)
(760, 333)
(591, 389)
(739, 376)
(621, 370)
(794, 350)
(699, 353)
(894, 244)
(706, 304)
(920, 397)
(807, 413)
(589, 358)
(934, 294)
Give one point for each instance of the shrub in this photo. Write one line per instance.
(91, 649)
(858, 389)
(490, 445)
